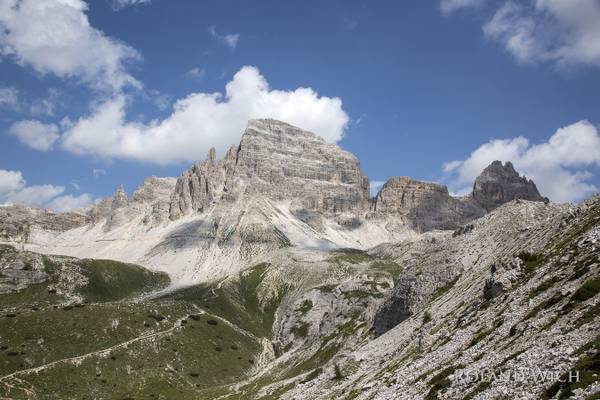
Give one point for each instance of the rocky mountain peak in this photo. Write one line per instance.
(280, 162)
(423, 205)
(500, 183)
(285, 162)
(154, 189)
(120, 198)
(426, 206)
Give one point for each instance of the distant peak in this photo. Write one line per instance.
(500, 183)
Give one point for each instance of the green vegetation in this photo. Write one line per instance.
(588, 316)
(6, 249)
(586, 291)
(588, 366)
(351, 256)
(483, 332)
(164, 356)
(445, 288)
(300, 330)
(236, 300)
(544, 305)
(161, 348)
(388, 266)
(338, 372)
(361, 294)
(478, 389)
(426, 317)
(264, 314)
(531, 261)
(305, 307)
(441, 381)
(327, 288)
(316, 372)
(112, 280)
(542, 287)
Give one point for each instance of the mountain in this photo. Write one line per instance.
(271, 273)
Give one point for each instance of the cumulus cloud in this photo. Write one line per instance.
(14, 190)
(55, 37)
(46, 105)
(9, 97)
(230, 39)
(449, 6)
(559, 167)
(119, 4)
(201, 121)
(69, 202)
(35, 134)
(97, 172)
(561, 32)
(196, 73)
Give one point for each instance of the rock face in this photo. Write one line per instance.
(197, 187)
(424, 205)
(155, 193)
(280, 162)
(16, 221)
(284, 163)
(499, 184)
(150, 201)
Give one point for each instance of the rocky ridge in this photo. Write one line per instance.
(303, 291)
(281, 186)
(499, 184)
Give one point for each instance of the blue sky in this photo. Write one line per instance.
(103, 93)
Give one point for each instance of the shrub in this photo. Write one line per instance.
(426, 317)
(586, 291)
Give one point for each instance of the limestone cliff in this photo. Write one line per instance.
(280, 162)
(499, 184)
(424, 205)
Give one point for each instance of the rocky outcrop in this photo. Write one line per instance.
(155, 193)
(199, 186)
(280, 162)
(424, 205)
(106, 209)
(16, 221)
(284, 162)
(499, 184)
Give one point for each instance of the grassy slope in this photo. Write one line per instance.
(160, 349)
(194, 359)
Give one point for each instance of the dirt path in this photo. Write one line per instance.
(97, 353)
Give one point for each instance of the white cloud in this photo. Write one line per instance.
(374, 187)
(69, 202)
(201, 121)
(558, 166)
(9, 97)
(46, 105)
(196, 73)
(119, 4)
(35, 134)
(230, 39)
(565, 32)
(97, 172)
(10, 181)
(14, 190)
(449, 6)
(55, 37)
